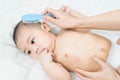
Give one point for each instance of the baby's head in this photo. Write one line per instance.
(32, 38)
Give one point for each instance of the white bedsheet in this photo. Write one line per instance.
(16, 66)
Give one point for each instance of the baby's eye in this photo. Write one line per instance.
(29, 52)
(32, 41)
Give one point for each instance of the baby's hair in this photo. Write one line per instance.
(15, 31)
(19, 25)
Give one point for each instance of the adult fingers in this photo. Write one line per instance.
(82, 77)
(63, 8)
(100, 62)
(47, 10)
(52, 11)
(86, 73)
(50, 19)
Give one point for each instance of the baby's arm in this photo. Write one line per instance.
(54, 70)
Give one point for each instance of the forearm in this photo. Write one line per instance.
(56, 72)
(106, 21)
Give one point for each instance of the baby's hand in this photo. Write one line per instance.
(45, 57)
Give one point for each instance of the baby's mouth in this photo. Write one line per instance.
(43, 50)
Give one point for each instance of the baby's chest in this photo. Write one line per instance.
(72, 47)
(70, 55)
(71, 52)
(67, 59)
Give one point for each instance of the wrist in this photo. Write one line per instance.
(85, 23)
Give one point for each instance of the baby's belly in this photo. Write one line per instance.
(70, 62)
(77, 53)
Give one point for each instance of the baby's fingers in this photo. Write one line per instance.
(45, 51)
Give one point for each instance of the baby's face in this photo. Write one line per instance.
(33, 40)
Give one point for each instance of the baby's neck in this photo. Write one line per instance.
(54, 44)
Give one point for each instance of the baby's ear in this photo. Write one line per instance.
(45, 26)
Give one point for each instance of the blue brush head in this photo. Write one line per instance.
(31, 18)
(34, 18)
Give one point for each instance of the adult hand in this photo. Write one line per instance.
(76, 15)
(72, 12)
(64, 18)
(106, 72)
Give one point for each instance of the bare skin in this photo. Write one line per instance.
(77, 21)
(67, 49)
(106, 70)
(72, 47)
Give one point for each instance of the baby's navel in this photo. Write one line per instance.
(103, 50)
(66, 55)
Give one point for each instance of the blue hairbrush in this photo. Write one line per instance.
(34, 18)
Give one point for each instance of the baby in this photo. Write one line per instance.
(69, 49)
